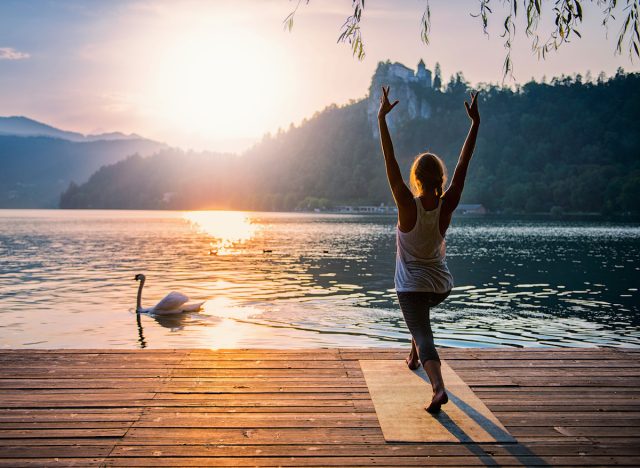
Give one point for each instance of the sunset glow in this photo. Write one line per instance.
(204, 85)
(227, 229)
(219, 75)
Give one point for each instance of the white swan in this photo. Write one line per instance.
(173, 303)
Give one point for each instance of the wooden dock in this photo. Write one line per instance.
(304, 408)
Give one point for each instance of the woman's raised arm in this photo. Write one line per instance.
(401, 193)
(452, 196)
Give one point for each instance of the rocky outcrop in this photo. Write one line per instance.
(406, 86)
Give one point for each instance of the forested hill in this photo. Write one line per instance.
(569, 144)
(35, 169)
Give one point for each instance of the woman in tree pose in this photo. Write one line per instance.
(422, 279)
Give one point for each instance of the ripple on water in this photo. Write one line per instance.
(300, 280)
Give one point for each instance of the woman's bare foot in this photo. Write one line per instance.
(412, 361)
(439, 398)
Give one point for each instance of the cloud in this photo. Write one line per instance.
(9, 53)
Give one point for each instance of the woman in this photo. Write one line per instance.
(422, 279)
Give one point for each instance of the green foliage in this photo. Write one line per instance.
(170, 179)
(567, 16)
(315, 203)
(568, 146)
(351, 32)
(437, 77)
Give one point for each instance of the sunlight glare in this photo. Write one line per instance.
(219, 81)
(235, 328)
(228, 229)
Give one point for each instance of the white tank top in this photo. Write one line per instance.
(420, 257)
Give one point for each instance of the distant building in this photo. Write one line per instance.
(423, 75)
(400, 71)
(471, 209)
(370, 209)
(366, 209)
(391, 71)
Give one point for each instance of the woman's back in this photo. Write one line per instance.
(421, 252)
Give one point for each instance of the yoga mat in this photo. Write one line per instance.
(399, 396)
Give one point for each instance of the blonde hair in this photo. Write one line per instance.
(428, 174)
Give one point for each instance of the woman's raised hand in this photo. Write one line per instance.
(385, 105)
(472, 109)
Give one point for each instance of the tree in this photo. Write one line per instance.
(567, 16)
(437, 77)
(457, 84)
(570, 145)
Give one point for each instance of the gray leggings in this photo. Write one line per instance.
(415, 309)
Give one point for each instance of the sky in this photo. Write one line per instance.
(218, 75)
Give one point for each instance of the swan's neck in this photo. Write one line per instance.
(139, 300)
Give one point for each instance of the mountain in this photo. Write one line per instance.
(38, 161)
(112, 136)
(23, 126)
(568, 145)
(170, 179)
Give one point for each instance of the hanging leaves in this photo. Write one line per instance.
(567, 14)
(350, 31)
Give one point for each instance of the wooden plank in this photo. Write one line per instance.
(66, 433)
(276, 395)
(155, 367)
(399, 396)
(608, 381)
(176, 382)
(265, 436)
(561, 372)
(55, 451)
(56, 441)
(47, 462)
(568, 420)
(304, 407)
(185, 403)
(31, 425)
(346, 407)
(546, 363)
(65, 417)
(359, 450)
(129, 414)
(547, 390)
(253, 420)
(610, 431)
(482, 460)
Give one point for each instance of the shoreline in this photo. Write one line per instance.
(577, 216)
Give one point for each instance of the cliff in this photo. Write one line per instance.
(411, 89)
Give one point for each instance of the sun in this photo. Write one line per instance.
(219, 83)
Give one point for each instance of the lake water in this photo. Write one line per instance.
(290, 280)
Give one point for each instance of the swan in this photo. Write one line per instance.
(173, 303)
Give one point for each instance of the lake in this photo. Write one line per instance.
(293, 280)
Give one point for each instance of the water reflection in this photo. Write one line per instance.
(300, 280)
(228, 229)
(141, 341)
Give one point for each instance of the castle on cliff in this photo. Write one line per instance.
(397, 71)
(409, 87)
